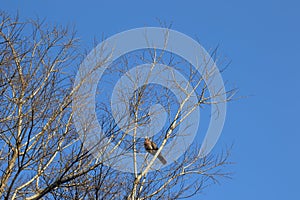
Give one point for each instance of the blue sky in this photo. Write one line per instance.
(262, 40)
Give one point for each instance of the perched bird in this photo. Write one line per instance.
(152, 148)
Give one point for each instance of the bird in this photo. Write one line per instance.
(152, 148)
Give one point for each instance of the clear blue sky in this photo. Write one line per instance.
(262, 40)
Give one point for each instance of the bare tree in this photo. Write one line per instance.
(41, 153)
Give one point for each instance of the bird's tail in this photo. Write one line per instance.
(162, 159)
